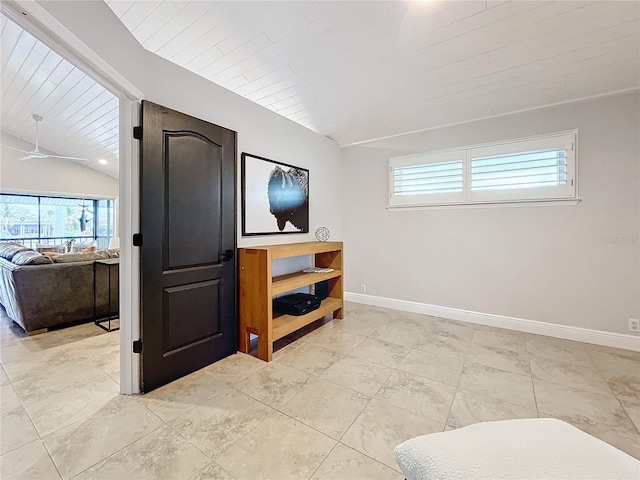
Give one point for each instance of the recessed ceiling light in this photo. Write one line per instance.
(102, 161)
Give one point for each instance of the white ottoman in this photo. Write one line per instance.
(537, 448)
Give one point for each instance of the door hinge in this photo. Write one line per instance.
(137, 346)
(137, 133)
(137, 239)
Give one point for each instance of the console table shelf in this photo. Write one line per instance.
(257, 288)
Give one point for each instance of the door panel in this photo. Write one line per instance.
(194, 233)
(187, 218)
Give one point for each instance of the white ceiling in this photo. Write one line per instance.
(80, 117)
(356, 71)
(353, 71)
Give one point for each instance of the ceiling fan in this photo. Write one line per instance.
(36, 153)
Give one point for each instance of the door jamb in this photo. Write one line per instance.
(46, 28)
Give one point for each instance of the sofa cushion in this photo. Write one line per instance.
(9, 249)
(30, 257)
(77, 257)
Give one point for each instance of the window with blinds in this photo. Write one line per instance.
(427, 178)
(535, 169)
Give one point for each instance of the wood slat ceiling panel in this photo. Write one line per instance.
(358, 70)
(80, 117)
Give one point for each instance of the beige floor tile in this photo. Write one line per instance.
(334, 339)
(452, 328)
(274, 384)
(629, 444)
(281, 352)
(11, 330)
(85, 443)
(4, 378)
(103, 351)
(419, 395)
(501, 338)
(400, 332)
(382, 426)
(279, 448)
(16, 353)
(30, 462)
(311, 358)
(72, 404)
(626, 387)
(499, 384)
(23, 349)
(443, 345)
(620, 369)
(214, 427)
(9, 399)
(213, 471)
(575, 375)
(50, 381)
(582, 407)
(502, 359)
(346, 463)
(178, 397)
(161, 454)
(358, 374)
(383, 353)
(235, 367)
(614, 359)
(557, 349)
(17, 430)
(327, 407)
(470, 407)
(44, 362)
(362, 323)
(436, 367)
(633, 410)
(82, 331)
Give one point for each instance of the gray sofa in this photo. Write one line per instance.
(46, 295)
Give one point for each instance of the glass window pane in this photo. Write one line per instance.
(18, 217)
(66, 217)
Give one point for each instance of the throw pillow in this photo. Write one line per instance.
(29, 257)
(88, 249)
(8, 250)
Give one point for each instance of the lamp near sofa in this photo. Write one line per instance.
(114, 242)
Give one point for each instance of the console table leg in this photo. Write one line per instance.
(265, 348)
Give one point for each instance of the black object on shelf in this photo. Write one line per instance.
(321, 289)
(110, 264)
(296, 304)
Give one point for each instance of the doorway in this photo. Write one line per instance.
(39, 23)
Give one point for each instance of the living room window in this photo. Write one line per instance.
(44, 220)
(538, 169)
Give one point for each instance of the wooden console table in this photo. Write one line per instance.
(257, 288)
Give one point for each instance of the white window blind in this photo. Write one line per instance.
(541, 168)
(427, 178)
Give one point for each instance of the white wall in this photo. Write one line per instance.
(570, 265)
(49, 176)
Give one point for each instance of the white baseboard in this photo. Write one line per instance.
(597, 337)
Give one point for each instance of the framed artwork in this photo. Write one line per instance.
(275, 197)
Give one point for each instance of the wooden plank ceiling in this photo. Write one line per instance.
(359, 70)
(80, 117)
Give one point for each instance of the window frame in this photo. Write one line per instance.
(556, 194)
(40, 238)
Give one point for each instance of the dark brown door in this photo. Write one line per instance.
(188, 226)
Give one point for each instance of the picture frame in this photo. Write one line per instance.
(275, 197)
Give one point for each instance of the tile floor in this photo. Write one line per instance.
(332, 405)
